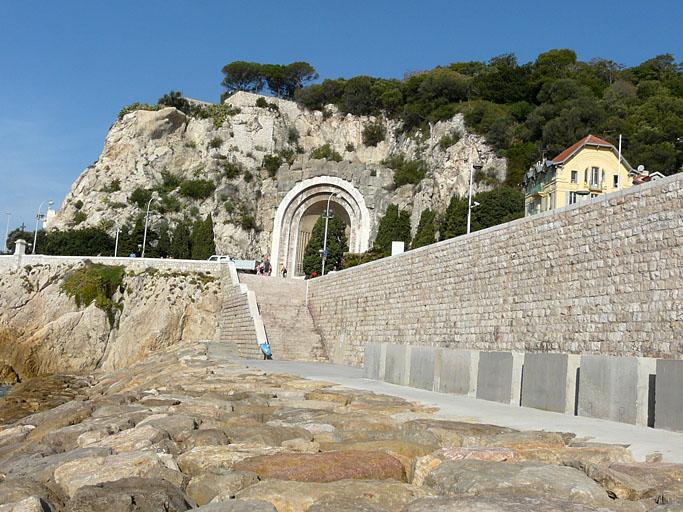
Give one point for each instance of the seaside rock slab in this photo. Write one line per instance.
(238, 506)
(18, 490)
(292, 496)
(203, 459)
(521, 440)
(128, 494)
(496, 504)
(577, 456)
(42, 468)
(134, 439)
(94, 470)
(475, 477)
(207, 437)
(424, 465)
(661, 480)
(175, 425)
(30, 504)
(205, 487)
(330, 504)
(326, 466)
(448, 433)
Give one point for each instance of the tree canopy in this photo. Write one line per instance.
(527, 110)
(281, 80)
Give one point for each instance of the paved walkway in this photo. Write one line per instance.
(642, 440)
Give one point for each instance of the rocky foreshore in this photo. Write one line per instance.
(182, 429)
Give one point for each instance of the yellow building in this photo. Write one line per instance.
(587, 169)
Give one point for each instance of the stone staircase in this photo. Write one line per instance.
(288, 323)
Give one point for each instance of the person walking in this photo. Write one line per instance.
(283, 271)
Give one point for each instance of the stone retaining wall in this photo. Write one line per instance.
(602, 277)
(138, 264)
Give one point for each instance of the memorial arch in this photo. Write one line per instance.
(302, 206)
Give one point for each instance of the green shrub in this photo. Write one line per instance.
(293, 135)
(78, 218)
(197, 189)
(247, 176)
(137, 106)
(248, 223)
(169, 181)
(78, 204)
(95, 283)
(272, 163)
(218, 113)
(116, 205)
(326, 152)
(232, 169)
(215, 143)
(140, 197)
(350, 148)
(353, 259)
(374, 133)
(406, 171)
(487, 177)
(114, 186)
(449, 140)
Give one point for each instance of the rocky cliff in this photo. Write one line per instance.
(156, 150)
(44, 331)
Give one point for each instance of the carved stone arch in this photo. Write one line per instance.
(306, 194)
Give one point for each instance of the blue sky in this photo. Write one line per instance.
(67, 67)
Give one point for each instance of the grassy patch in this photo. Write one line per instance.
(95, 283)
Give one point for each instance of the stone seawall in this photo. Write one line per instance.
(602, 277)
(135, 264)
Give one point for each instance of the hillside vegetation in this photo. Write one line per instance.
(529, 110)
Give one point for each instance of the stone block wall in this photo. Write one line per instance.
(601, 277)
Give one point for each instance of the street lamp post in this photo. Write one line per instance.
(7, 231)
(116, 243)
(475, 167)
(38, 217)
(327, 218)
(144, 237)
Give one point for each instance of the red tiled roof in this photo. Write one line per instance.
(589, 140)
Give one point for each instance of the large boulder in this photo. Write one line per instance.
(30, 504)
(291, 496)
(449, 433)
(326, 466)
(497, 503)
(95, 470)
(659, 480)
(129, 495)
(205, 487)
(476, 477)
(203, 459)
(238, 506)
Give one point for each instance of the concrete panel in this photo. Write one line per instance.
(395, 364)
(549, 382)
(457, 372)
(608, 388)
(371, 360)
(499, 375)
(669, 395)
(422, 360)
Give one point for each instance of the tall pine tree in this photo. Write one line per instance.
(394, 226)
(426, 230)
(336, 246)
(203, 245)
(181, 244)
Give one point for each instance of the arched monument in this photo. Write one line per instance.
(303, 204)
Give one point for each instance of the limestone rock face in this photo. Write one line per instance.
(144, 144)
(43, 331)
